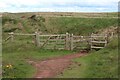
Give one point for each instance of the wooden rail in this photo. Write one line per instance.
(20, 34)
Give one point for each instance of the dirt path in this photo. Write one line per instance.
(54, 66)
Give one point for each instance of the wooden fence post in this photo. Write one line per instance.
(91, 38)
(106, 39)
(12, 36)
(67, 42)
(37, 39)
(71, 42)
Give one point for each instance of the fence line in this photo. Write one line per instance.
(65, 41)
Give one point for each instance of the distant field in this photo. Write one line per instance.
(66, 14)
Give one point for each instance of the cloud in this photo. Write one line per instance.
(58, 5)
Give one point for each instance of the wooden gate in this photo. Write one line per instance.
(81, 42)
(52, 41)
(98, 41)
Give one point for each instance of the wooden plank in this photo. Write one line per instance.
(7, 38)
(54, 46)
(99, 41)
(61, 48)
(54, 43)
(79, 41)
(78, 36)
(52, 35)
(57, 39)
(57, 48)
(61, 43)
(20, 34)
(96, 47)
(98, 36)
(81, 36)
(39, 35)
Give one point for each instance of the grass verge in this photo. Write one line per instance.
(15, 56)
(99, 64)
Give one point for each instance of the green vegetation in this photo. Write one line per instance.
(99, 64)
(84, 26)
(17, 54)
(55, 25)
(28, 25)
(102, 63)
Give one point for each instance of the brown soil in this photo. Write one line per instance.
(51, 67)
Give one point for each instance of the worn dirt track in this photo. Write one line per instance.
(51, 67)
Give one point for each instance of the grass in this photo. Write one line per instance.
(55, 25)
(100, 64)
(79, 26)
(18, 54)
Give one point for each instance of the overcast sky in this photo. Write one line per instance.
(59, 5)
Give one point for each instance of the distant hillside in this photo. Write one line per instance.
(65, 14)
(51, 22)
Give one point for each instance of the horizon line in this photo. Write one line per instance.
(62, 12)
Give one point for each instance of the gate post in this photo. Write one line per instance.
(106, 39)
(67, 41)
(91, 39)
(12, 36)
(37, 39)
(71, 42)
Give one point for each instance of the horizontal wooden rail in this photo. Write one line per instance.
(52, 35)
(53, 43)
(54, 48)
(57, 39)
(22, 34)
(84, 40)
(98, 36)
(81, 36)
(99, 41)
